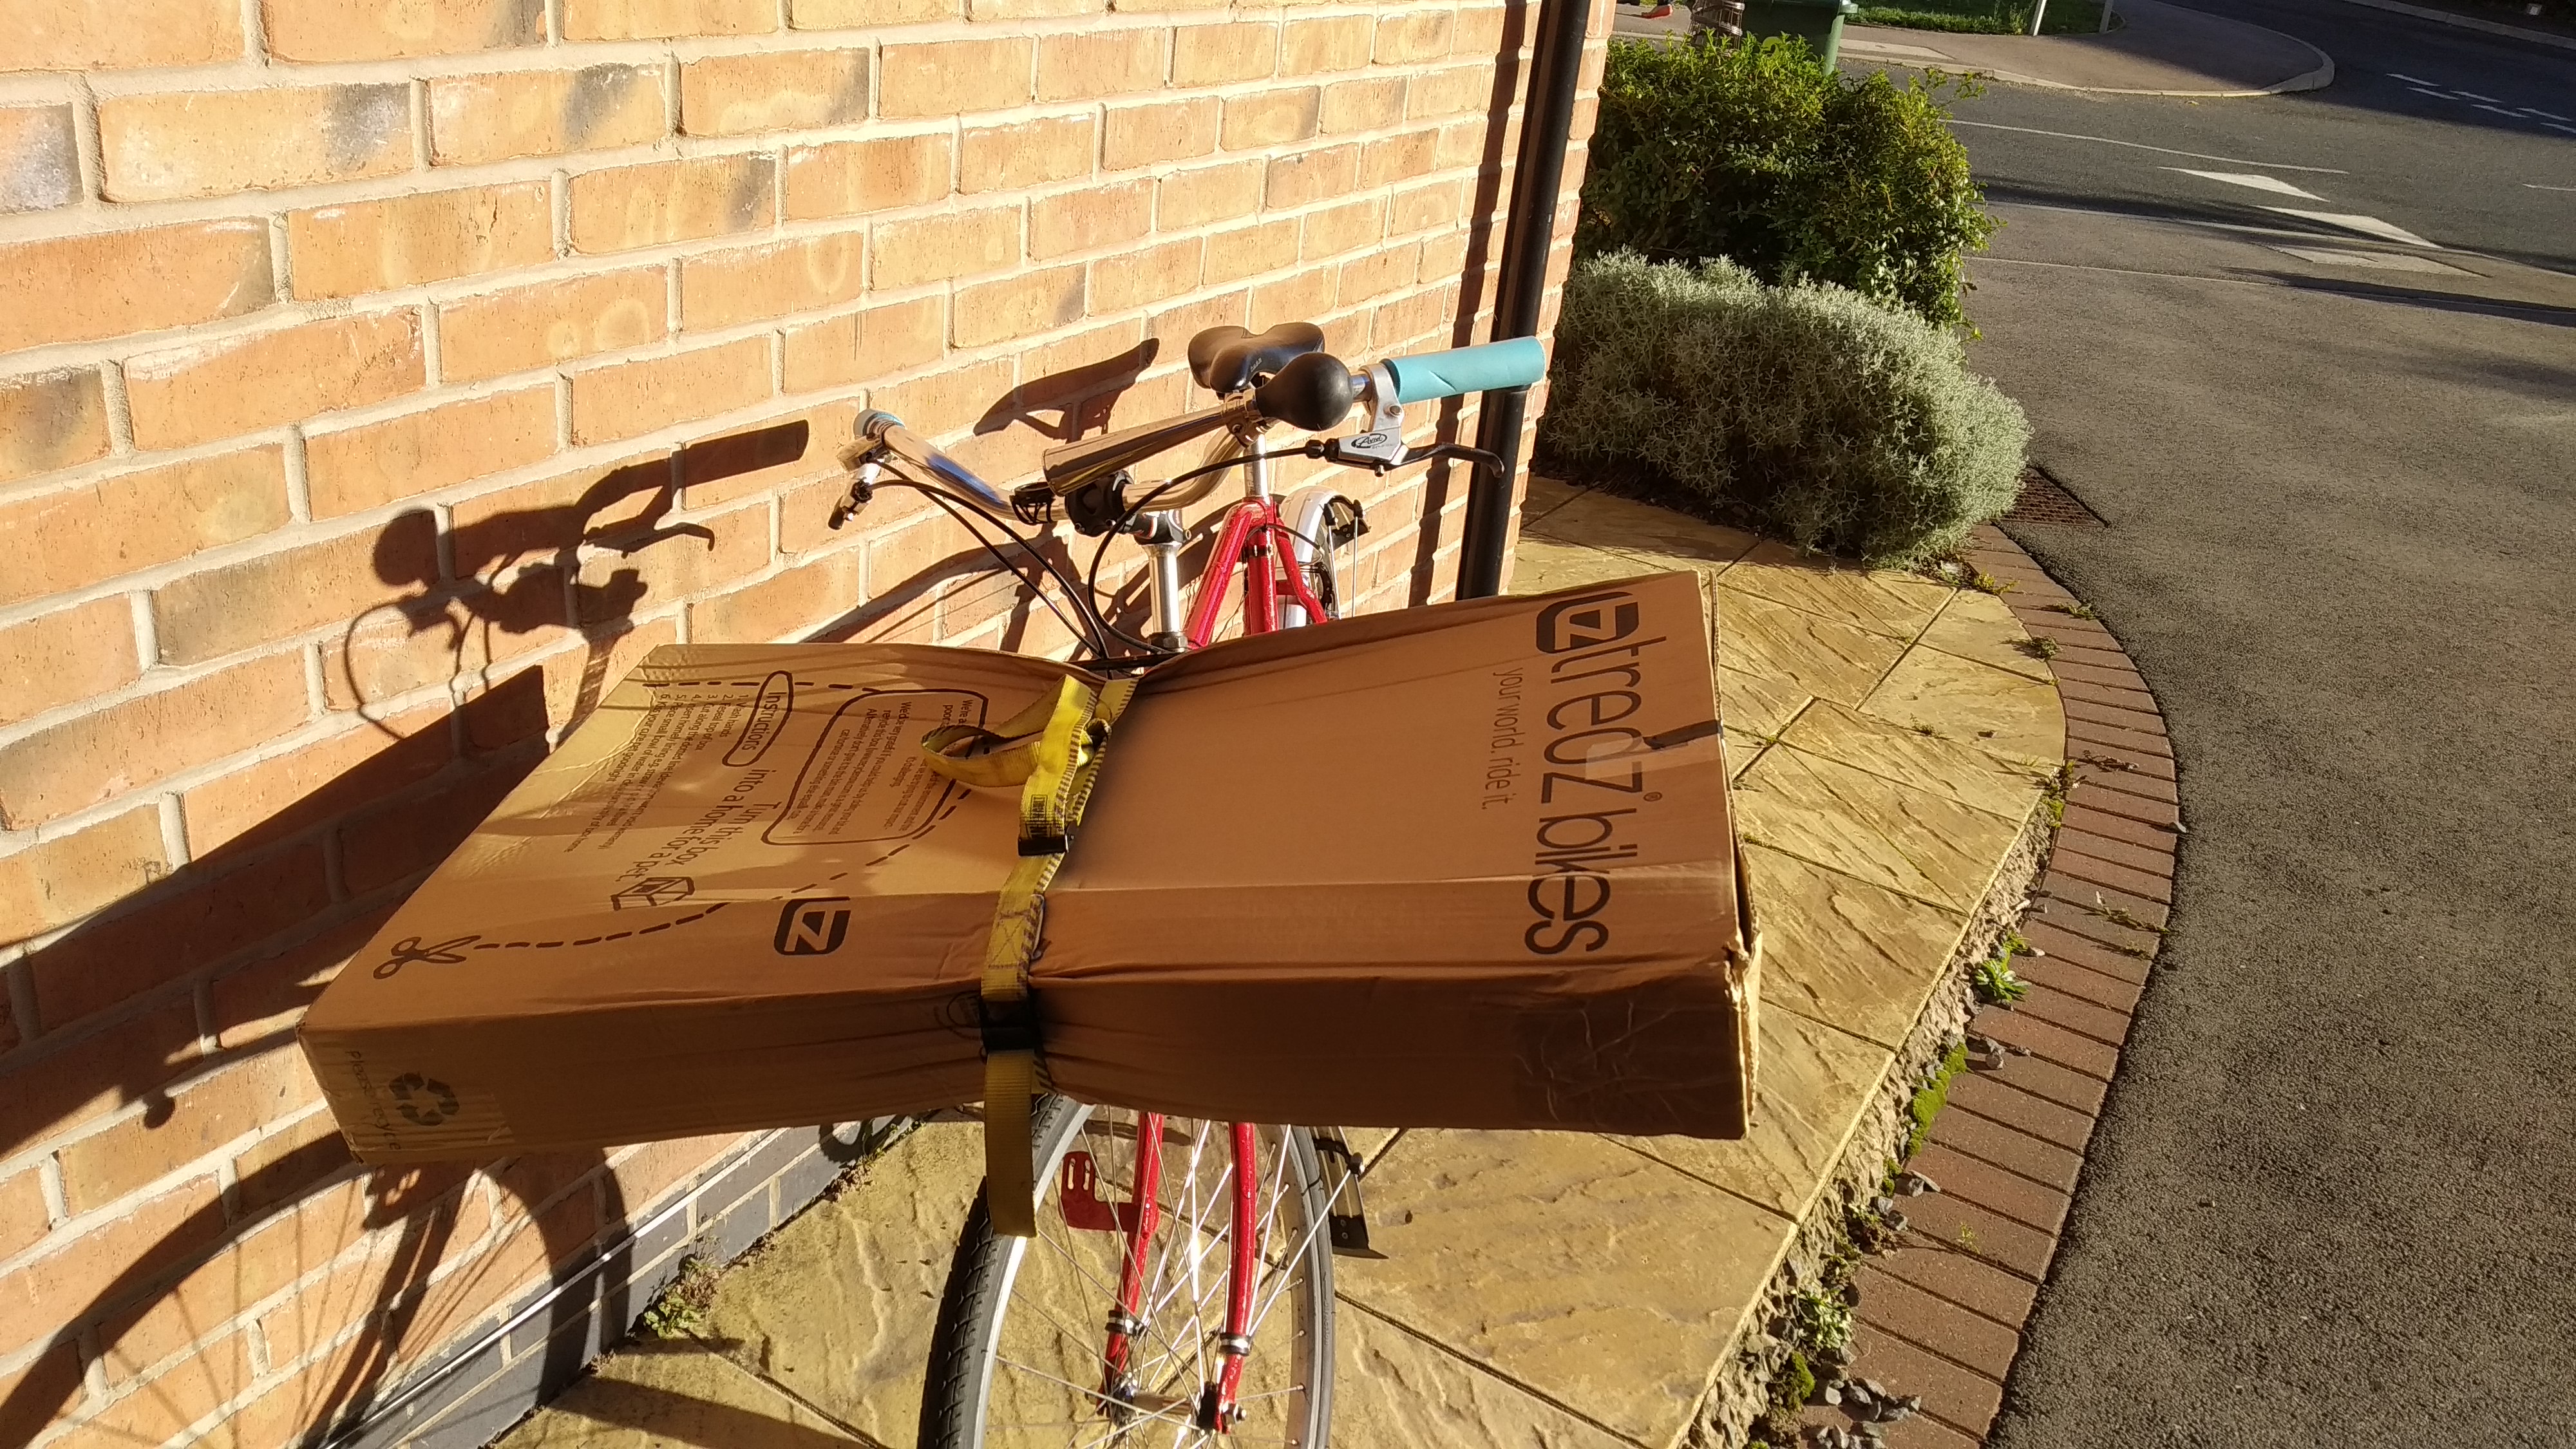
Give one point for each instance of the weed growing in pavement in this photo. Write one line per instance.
(2041, 647)
(1968, 1239)
(1986, 583)
(2120, 916)
(681, 1311)
(2103, 762)
(1994, 982)
(1933, 1095)
(2076, 609)
(2053, 791)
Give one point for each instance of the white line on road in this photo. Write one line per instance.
(2501, 111)
(2545, 115)
(2473, 95)
(2410, 80)
(2376, 261)
(2272, 184)
(2354, 221)
(2553, 125)
(2142, 146)
(2536, 186)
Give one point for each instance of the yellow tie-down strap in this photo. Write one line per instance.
(1052, 752)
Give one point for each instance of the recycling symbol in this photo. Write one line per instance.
(411, 1085)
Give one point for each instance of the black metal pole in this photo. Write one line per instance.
(1547, 119)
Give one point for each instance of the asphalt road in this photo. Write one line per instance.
(2329, 1200)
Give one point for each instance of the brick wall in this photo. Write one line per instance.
(377, 381)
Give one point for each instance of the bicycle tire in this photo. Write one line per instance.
(967, 1361)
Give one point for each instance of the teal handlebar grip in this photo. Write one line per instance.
(1490, 368)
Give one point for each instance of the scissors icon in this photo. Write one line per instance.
(409, 951)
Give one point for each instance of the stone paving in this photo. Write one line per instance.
(1890, 738)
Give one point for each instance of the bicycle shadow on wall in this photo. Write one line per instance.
(181, 1000)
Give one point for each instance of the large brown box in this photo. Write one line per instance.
(1467, 865)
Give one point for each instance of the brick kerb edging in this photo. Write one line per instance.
(1941, 1314)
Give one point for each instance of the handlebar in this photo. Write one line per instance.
(888, 432)
(1490, 368)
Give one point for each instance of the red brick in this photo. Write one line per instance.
(2121, 846)
(2155, 886)
(2146, 723)
(1029, 153)
(416, 832)
(125, 746)
(1960, 1397)
(845, 178)
(727, 289)
(1989, 1235)
(496, 116)
(2049, 1043)
(205, 1115)
(2072, 668)
(1103, 63)
(102, 1269)
(865, 345)
(741, 95)
(660, 202)
(2038, 1077)
(2143, 752)
(201, 917)
(212, 390)
(258, 1004)
(666, 19)
(502, 332)
(119, 283)
(2050, 1121)
(2092, 896)
(327, 30)
(2074, 1013)
(34, 1395)
(2136, 701)
(218, 611)
(51, 420)
(1955, 1277)
(2115, 949)
(214, 143)
(1891, 1304)
(1996, 1189)
(405, 457)
(1960, 1129)
(2110, 992)
(949, 77)
(630, 399)
(65, 656)
(2095, 792)
(404, 241)
(132, 521)
(77, 35)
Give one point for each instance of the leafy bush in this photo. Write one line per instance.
(1751, 151)
(1809, 411)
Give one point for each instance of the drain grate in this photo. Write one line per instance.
(2045, 501)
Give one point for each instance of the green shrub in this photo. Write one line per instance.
(1809, 412)
(1751, 151)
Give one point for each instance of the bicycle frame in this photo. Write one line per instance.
(1254, 540)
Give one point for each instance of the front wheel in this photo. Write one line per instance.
(1022, 1355)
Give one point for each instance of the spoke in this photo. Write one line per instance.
(1108, 1294)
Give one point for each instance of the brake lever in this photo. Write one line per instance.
(863, 490)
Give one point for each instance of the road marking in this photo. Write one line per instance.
(2474, 96)
(2553, 125)
(2380, 261)
(2410, 80)
(2501, 111)
(2354, 221)
(2246, 178)
(2142, 146)
(2437, 95)
(2545, 115)
(2536, 186)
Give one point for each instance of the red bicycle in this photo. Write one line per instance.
(1181, 1283)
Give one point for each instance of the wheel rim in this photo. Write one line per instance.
(1043, 1378)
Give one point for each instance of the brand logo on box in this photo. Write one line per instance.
(1587, 621)
(813, 925)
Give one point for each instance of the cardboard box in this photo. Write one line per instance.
(1468, 865)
